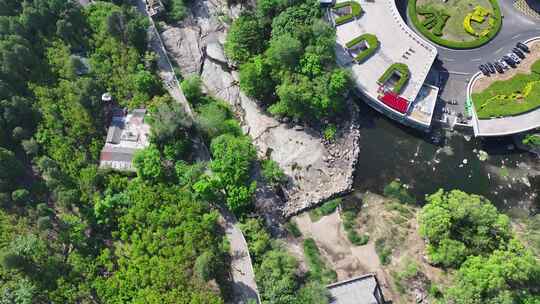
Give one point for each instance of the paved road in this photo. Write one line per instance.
(516, 27)
(243, 275)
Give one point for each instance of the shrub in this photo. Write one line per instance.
(325, 209)
(293, 229)
(192, 87)
(384, 252)
(317, 269)
(409, 271)
(404, 72)
(272, 172)
(495, 28)
(44, 223)
(357, 239)
(356, 11)
(20, 196)
(532, 140)
(349, 224)
(373, 45)
(397, 191)
(329, 132)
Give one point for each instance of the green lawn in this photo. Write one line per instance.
(517, 95)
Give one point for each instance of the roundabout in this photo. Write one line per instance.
(515, 27)
(456, 24)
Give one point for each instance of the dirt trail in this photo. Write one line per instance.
(347, 260)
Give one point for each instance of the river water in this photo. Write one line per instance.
(509, 178)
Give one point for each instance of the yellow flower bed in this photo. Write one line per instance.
(478, 15)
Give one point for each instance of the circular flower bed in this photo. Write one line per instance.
(435, 22)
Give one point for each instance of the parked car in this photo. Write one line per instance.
(519, 53)
(499, 67)
(509, 61)
(514, 57)
(490, 67)
(503, 64)
(484, 70)
(523, 47)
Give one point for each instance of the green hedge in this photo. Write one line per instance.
(411, 9)
(403, 69)
(356, 11)
(371, 40)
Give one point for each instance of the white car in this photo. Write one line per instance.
(514, 57)
(503, 64)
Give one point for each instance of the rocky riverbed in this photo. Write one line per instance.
(317, 170)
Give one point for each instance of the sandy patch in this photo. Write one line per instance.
(379, 221)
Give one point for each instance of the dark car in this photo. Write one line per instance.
(490, 67)
(509, 60)
(499, 67)
(523, 47)
(518, 52)
(484, 70)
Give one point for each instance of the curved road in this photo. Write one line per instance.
(516, 27)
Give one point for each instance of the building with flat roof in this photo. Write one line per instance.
(154, 7)
(360, 290)
(127, 134)
(415, 103)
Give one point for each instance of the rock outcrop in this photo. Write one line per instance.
(317, 170)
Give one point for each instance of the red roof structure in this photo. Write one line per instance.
(395, 102)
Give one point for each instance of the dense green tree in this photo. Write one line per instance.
(231, 164)
(20, 196)
(257, 237)
(11, 124)
(164, 249)
(255, 79)
(508, 275)
(10, 170)
(30, 146)
(272, 172)
(313, 293)
(284, 53)
(169, 121)
(296, 20)
(276, 277)
(457, 224)
(148, 164)
(9, 7)
(215, 119)
(297, 60)
(205, 265)
(176, 10)
(245, 38)
(192, 88)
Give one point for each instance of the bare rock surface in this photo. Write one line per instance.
(317, 170)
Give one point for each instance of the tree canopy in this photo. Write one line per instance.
(290, 68)
(457, 224)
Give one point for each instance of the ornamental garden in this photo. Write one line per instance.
(457, 24)
(514, 96)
